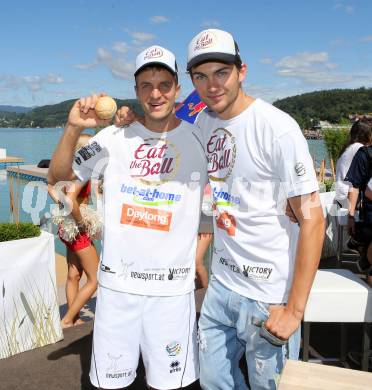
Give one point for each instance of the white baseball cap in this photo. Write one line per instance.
(156, 55)
(212, 44)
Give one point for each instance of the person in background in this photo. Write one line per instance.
(368, 195)
(368, 192)
(359, 176)
(360, 135)
(81, 254)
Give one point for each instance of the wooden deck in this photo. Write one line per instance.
(28, 172)
(9, 161)
(308, 376)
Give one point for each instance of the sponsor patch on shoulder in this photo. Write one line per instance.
(300, 169)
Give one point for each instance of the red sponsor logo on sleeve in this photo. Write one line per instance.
(227, 222)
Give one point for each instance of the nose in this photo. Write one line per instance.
(155, 93)
(212, 83)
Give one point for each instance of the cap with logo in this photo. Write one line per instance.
(212, 44)
(156, 55)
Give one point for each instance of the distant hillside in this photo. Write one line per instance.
(52, 115)
(332, 105)
(17, 109)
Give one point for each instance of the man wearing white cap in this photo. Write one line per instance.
(154, 176)
(263, 264)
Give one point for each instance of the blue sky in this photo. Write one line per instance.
(57, 50)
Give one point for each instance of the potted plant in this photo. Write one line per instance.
(16, 231)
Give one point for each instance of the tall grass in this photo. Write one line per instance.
(34, 320)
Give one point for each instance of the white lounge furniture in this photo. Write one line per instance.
(338, 295)
(28, 297)
(342, 219)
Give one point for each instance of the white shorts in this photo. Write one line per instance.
(162, 329)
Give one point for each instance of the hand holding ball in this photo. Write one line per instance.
(105, 107)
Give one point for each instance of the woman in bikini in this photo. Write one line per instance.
(81, 253)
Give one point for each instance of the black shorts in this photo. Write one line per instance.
(363, 233)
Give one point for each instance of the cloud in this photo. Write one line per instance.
(314, 69)
(319, 78)
(316, 77)
(86, 66)
(347, 8)
(302, 60)
(120, 67)
(159, 19)
(53, 79)
(140, 37)
(121, 47)
(210, 23)
(31, 83)
(366, 39)
(331, 65)
(266, 61)
(268, 93)
(103, 55)
(338, 42)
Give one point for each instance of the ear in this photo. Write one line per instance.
(178, 90)
(136, 90)
(243, 72)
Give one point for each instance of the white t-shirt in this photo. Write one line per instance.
(256, 160)
(152, 191)
(342, 167)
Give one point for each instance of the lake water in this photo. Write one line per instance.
(34, 145)
(30, 144)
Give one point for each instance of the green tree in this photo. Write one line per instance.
(335, 140)
(334, 105)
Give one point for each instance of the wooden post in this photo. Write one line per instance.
(321, 171)
(11, 197)
(18, 195)
(333, 170)
(314, 164)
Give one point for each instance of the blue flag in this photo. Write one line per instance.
(190, 108)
